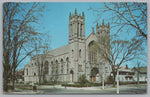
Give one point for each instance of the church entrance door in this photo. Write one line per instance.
(94, 79)
(71, 72)
(94, 72)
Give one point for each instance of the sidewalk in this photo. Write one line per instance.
(63, 87)
(86, 88)
(42, 88)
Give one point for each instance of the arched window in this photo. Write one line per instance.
(72, 53)
(56, 67)
(34, 74)
(46, 67)
(62, 67)
(78, 30)
(92, 52)
(52, 71)
(80, 53)
(81, 30)
(67, 60)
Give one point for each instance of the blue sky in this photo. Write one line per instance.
(55, 22)
(57, 19)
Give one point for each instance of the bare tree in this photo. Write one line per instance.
(41, 64)
(117, 52)
(126, 16)
(138, 71)
(19, 34)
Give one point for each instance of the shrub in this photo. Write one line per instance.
(83, 80)
(109, 80)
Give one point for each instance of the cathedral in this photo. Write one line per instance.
(69, 62)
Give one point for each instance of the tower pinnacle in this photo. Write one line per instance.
(92, 29)
(103, 22)
(97, 25)
(75, 11)
(70, 14)
(83, 14)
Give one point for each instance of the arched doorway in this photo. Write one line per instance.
(71, 72)
(94, 72)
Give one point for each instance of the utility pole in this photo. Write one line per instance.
(103, 84)
(138, 71)
(118, 81)
(103, 81)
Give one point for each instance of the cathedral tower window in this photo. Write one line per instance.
(67, 60)
(72, 53)
(34, 74)
(78, 30)
(81, 31)
(80, 53)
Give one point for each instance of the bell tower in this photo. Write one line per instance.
(76, 27)
(77, 44)
(103, 29)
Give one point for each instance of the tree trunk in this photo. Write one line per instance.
(13, 79)
(138, 78)
(114, 79)
(138, 71)
(5, 82)
(6, 72)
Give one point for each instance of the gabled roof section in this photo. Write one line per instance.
(92, 33)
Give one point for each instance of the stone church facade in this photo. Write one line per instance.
(69, 62)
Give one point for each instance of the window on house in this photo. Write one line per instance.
(27, 71)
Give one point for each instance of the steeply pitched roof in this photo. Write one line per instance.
(59, 51)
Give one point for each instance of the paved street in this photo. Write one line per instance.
(58, 89)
